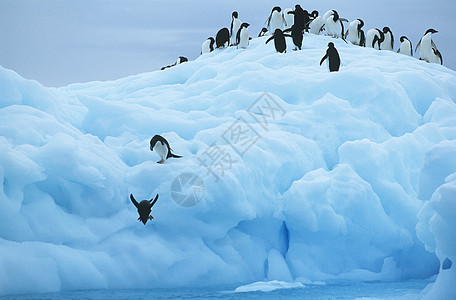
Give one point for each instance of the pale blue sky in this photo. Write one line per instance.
(58, 42)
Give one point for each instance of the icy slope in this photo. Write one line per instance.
(320, 178)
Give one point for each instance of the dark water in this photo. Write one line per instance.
(371, 290)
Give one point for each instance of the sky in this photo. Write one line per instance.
(59, 42)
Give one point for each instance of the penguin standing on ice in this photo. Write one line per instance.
(333, 58)
(355, 33)
(296, 34)
(160, 145)
(279, 40)
(275, 20)
(388, 43)
(242, 36)
(374, 38)
(406, 46)
(208, 45)
(222, 39)
(235, 25)
(428, 50)
(334, 26)
(144, 208)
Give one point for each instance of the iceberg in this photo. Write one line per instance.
(301, 173)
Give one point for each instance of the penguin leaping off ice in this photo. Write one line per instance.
(144, 208)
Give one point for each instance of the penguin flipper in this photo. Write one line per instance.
(153, 202)
(269, 39)
(133, 200)
(417, 45)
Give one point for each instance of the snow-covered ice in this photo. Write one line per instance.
(308, 175)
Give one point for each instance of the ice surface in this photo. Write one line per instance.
(337, 176)
(268, 286)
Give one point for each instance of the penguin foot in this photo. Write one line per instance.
(150, 217)
(161, 161)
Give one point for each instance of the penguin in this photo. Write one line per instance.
(235, 25)
(275, 19)
(374, 38)
(180, 59)
(263, 32)
(334, 26)
(279, 40)
(160, 145)
(333, 58)
(208, 45)
(388, 43)
(406, 46)
(144, 208)
(355, 34)
(317, 24)
(428, 50)
(301, 17)
(242, 36)
(296, 34)
(222, 39)
(288, 16)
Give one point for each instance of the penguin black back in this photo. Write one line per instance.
(222, 37)
(296, 34)
(144, 208)
(279, 40)
(333, 58)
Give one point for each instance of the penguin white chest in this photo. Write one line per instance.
(205, 48)
(236, 26)
(426, 51)
(333, 28)
(161, 150)
(406, 48)
(353, 32)
(243, 38)
(276, 21)
(316, 25)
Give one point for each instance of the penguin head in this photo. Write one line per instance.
(430, 30)
(245, 25)
(276, 8)
(278, 32)
(386, 29)
(335, 15)
(314, 14)
(298, 7)
(403, 38)
(330, 45)
(234, 15)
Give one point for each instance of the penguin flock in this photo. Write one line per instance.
(294, 23)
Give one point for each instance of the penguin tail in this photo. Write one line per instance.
(173, 155)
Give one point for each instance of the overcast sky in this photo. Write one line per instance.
(59, 42)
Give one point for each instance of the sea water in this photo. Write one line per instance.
(346, 290)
